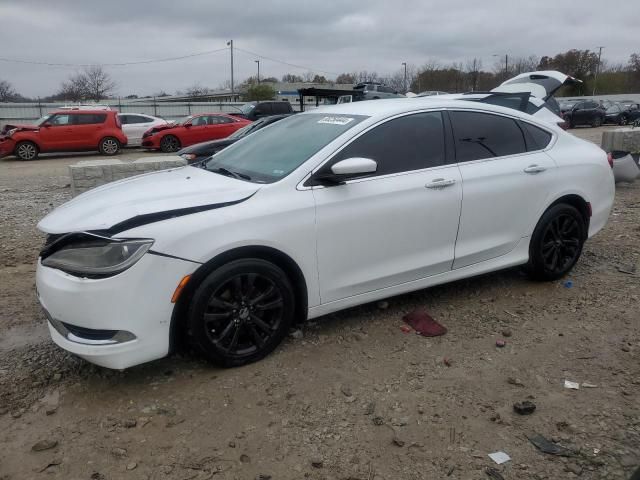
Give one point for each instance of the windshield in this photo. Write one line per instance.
(41, 120)
(183, 120)
(273, 153)
(247, 130)
(247, 107)
(613, 109)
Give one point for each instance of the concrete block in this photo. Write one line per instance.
(625, 139)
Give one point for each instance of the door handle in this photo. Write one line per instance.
(440, 183)
(534, 169)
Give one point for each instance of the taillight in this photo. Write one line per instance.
(118, 123)
(610, 159)
(589, 209)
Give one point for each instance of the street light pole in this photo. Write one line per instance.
(506, 64)
(258, 62)
(595, 79)
(230, 44)
(405, 76)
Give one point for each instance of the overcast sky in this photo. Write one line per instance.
(326, 36)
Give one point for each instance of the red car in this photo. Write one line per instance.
(64, 131)
(191, 130)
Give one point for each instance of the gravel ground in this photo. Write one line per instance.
(351, 396)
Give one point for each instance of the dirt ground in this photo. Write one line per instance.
(354, 396)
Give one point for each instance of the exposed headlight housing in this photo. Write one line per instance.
(188, 156)
(95, 256)
(11, 132)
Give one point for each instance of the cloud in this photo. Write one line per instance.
(329, 36)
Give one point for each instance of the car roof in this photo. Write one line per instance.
(393, 106)
(81, 112)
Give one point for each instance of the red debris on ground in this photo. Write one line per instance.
(424, 324)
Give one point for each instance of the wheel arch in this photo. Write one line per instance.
(270, 254)
(579, 203)
(30, 140)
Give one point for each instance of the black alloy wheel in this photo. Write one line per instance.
(169, 144)
(241, 312)
(596, 122)
(556, 243)
(623, 120)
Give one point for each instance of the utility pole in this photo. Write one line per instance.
(258, 62)
(405, 76)
(506, 66)
(230, 44)
(595, 79)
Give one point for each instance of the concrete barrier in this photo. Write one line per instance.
(89, 174)
(624, 139)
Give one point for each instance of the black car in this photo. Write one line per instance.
(256, 110)
(585, 112)
(617, 114)
(201, 151)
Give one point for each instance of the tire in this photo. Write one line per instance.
(596, 122)
(250, 302)
(109, 146)
(623, 120)
(556, 243)
(26, 151)
(169, 144)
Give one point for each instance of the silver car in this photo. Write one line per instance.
(375, 91)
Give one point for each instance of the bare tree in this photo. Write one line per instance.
(98, 83)
(473, 72)
(292, 78)
(7, 92)
(308, 77)
(73, 89)
(196, 90)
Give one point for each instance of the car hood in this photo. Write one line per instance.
(145, 199)
(542, 84)
(19, 126)
(161, 127)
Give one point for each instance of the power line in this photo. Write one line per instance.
(285, 63)
(121, 64)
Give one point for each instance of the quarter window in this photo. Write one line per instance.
(483, 135)
(412, 142)
(90, 118)
(537, 139)
(138, 119)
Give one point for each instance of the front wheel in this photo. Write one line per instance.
(26, 151)
(556, 243)
(623, 120)
(241, 312)
(109, 146)
(169, 144)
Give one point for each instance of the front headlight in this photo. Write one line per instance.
(11, 132)
(99, 257)
(188, 156)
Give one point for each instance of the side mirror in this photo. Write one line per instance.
(187, 125)
(345, 170)
(46, 125)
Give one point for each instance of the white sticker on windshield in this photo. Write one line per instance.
(336, 120)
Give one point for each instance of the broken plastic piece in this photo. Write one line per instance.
(588, 385)
(571, 385)
(499, 457)
(546, 446)
(424, 324)
(568, 284)
(493, 473)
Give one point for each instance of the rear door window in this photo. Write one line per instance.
(483, 135)
(60, 119)
(138, 119)
(90, 118)
(412, 142)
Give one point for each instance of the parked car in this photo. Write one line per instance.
(430, 93)
(587, 112)
(376, 91)
(200, 151)
(65, 131)
(321, 211)
(134, 125)
(191, 130)
(616, 113)
(255, 110)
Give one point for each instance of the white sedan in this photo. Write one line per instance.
(135, 124)
(321, 211)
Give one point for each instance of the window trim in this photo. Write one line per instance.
(500, 114)
(302, 185)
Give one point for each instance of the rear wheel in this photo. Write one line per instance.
(26, 151)
(109, 146)
(596, 122)
(556, 243)
(241, 312)
(169, 144)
